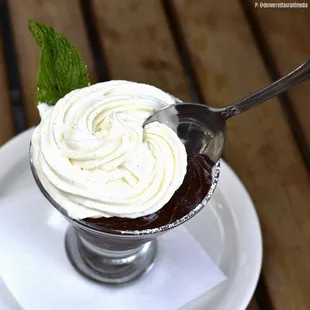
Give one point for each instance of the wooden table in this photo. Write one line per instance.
(204, 51)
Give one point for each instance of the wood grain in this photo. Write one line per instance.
(285, 30)
(6, 121)
(138, 45)
(65, 17)
(260, 146)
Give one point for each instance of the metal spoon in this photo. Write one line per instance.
(202, 128)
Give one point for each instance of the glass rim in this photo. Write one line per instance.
(142, 232)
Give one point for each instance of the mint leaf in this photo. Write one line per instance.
(61, 67)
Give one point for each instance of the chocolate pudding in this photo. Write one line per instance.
(195, 187)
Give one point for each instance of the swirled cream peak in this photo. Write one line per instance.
(95, 159)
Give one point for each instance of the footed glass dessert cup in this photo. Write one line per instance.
(116, 256)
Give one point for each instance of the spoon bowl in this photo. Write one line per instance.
(201, 130)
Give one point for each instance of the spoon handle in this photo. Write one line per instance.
(295, 77)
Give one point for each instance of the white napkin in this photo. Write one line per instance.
(35, 268)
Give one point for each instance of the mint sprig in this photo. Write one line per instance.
(61, 68)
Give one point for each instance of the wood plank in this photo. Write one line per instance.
(253, 305)
(138, 45)
(64, 16)
(260, 146)
(6, 121)
(285, 30)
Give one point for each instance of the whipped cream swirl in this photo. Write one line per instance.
(95, 159)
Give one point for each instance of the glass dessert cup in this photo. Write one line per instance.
(117, 256)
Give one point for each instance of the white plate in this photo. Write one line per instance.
(228, 230)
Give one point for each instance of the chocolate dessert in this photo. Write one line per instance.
(195, 187)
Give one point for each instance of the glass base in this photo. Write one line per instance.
(112, 267)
